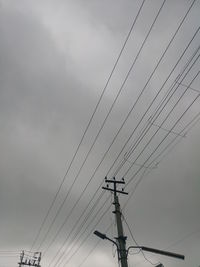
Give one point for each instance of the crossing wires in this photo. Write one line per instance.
(177, 135)
(87, 127)
(143, 165)
(118, 94)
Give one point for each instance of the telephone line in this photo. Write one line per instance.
(149, 157)
(195, 119)
(85, 239)
(167, 134)
(188, 45)
(89, 224)
(119, 92)
(75, 225)
(88, 125)
(148, 126)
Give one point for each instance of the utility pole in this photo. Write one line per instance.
(30, 259)
(121, 239)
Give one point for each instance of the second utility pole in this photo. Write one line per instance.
(121, 239)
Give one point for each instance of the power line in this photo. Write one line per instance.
(75, 225)
(76, 250)
(157, 146)
(94, 247)
(192, 123)
(154, 117)
(169, 132)
(188, 46)
(186, 109)
(160, 88)
(143, 254)
(88, 125)
(86, 237)
(119, 92)
(170, 145)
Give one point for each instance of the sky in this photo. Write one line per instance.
(90, 89)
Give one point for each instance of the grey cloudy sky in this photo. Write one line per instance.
(55, 59)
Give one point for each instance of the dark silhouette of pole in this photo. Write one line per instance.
(121, 239)
(30, 259)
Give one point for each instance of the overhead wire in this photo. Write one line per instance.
(90, 232)
(153, 118)
(185, 111)
(191, 124)
(143, 254)
(169, 147)
(169, 130)
(167, 77)
(80, 169)
(93, 248)
(88, 125)
(119, 92)
(79, 228)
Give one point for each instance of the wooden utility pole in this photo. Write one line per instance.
(121, 239)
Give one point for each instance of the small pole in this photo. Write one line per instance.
(30, 259)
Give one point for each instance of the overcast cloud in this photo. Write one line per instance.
(55, 59)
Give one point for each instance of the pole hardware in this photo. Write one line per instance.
(161, 252)
(122, 252)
